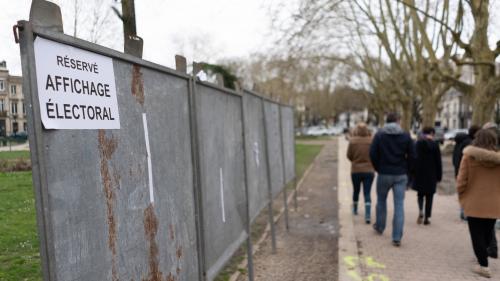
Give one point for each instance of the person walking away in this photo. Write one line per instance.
(478, 187)
(428, 172)
(461, 142)
(391, 152)
(493, 246)
(362, 171)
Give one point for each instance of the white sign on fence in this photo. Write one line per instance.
(76, 88)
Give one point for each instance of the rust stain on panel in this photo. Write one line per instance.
(107, 147)
(170, 277)
(172, 231)
(178, 253)
(151, 229)
(138, 84)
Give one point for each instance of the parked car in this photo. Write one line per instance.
(451, 134)
(335, 131)
(439, 136)
(316, 131)
(21, 136)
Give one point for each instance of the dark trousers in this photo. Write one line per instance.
(493, 247)
(481, 231)
(362, 178)
(428, 203)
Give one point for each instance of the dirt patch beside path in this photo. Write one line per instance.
(309, 250)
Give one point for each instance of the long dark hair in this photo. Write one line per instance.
(486, 139)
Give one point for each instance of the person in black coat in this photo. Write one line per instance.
(428, 172)
(461, 142)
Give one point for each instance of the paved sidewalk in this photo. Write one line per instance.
(17, 147)
(440, 251)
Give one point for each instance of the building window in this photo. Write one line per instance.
(13, 89)
(2, 85)
(25, 127)
(2, 105)
(13, 107)
(24, 109)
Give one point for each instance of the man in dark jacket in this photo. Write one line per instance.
(461, 142)
(428, 172)
(391, 154)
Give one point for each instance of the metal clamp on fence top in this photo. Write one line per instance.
(47, 15)
(134, 45)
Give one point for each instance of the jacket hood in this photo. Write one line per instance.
(484, 156)
(429, 143)
(360, 140)
(392, 129)
(460, 137)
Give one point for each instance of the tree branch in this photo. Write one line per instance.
(455, 34)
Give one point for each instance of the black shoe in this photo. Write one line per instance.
(376, 229)
(420, 219)
(367, 221)
(492, 253)
(396, 243)
(427, 221)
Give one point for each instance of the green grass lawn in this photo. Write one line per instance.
(304, 155)
(19, 255)
(306, 138)
(14, 155)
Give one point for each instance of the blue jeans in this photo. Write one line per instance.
(366, 179)
(398, 184)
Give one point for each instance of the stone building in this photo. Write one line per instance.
(456, 108)
(12, 110)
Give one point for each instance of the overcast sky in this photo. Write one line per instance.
(229, 28)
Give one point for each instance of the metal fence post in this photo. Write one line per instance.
(196, 179)
(285, 199)
(269, 181)
(247, 203)
(37, 147)
(295, 203)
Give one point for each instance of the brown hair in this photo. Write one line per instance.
(486, 139)
(362, 130)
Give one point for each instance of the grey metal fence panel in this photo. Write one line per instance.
(101, 221)
(272, 119)
(222, 174)
(255, 154)
(288, 142)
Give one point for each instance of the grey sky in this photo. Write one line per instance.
(222, 28)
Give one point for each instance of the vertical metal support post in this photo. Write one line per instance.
(295, 195)
(247, 184)
(269, 181)
(285, 197)
(37, 149)
(295, 203)
(198, 209)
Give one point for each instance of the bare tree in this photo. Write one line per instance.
(90, 20)
(476, 52)
(423, 53)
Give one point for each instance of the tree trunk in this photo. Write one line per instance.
(128, 14)
(380, 118)
(406, 116)
(484, 92)
(483, 106)
(429, 111)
